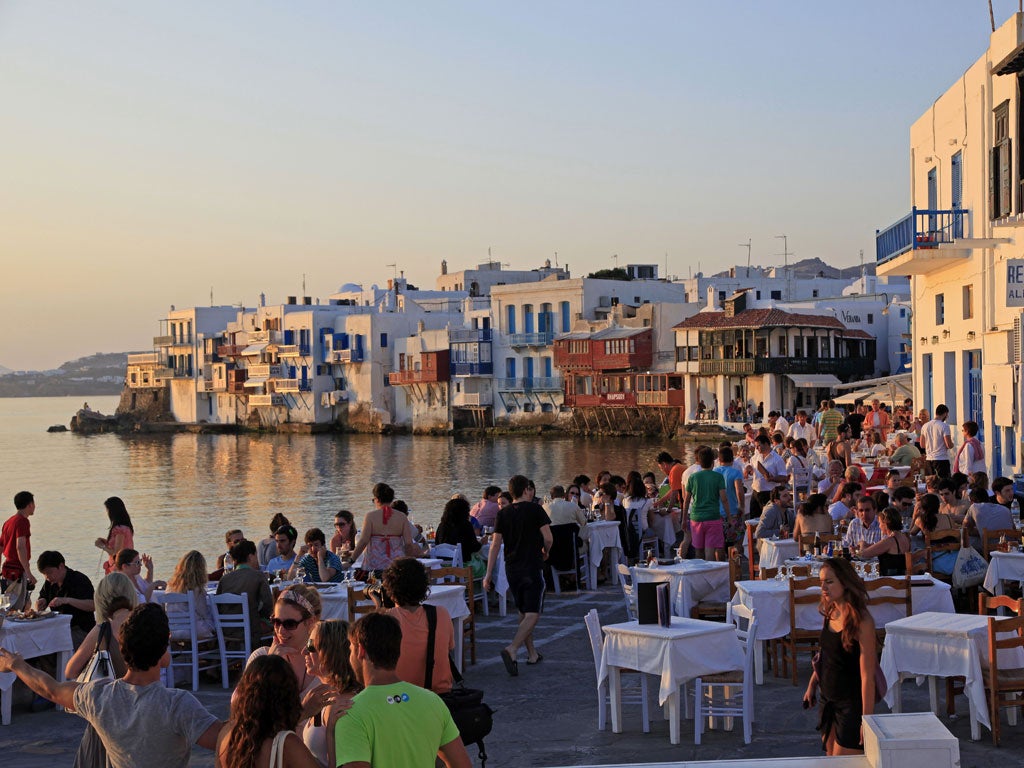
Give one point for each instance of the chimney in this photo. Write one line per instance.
(444, 266)
(420, 327)
(391, 284)
(711, 297)
(263, 299)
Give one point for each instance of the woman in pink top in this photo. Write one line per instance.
(121, 534)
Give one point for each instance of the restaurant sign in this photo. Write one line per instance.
(1015, 282)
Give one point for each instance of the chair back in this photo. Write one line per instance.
(916, 563)
(937, 542)
(626, 585)
(452, 552)
(180, 609)
(359, 603)
(897, 592)
(735, 569)
(753, 558)
(807, 541)
(988, 603)
(742, 617)
(463, 576)
(990, 539)
(564, 547)
(230, 613)
(802, 591)
(593, 622)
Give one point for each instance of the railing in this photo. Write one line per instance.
(469, 334)
(213, 385)
(144, 358)
(259, 401)
(541, 384)
(230, 350)
(667, 397)
(920, 230)
(838, 366)
(292, 385)
(264, 370)
(257, 337)
(471, 399)
(288, 350)
(471, 369)
(530, 339)
(163, 341)
(347, 356)
(163, 373)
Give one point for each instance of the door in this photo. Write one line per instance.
(956, 180)
(933, 199)
(975, 410)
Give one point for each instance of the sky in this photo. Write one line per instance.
(153, 153)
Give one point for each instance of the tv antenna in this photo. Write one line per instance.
(747, 246)
(211, 295)
(394, 268)
(616, 257)
(303, 283)
(786, 253)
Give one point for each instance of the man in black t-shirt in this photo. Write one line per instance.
(66, 591)
(525, 529)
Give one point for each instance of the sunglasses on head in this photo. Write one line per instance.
(289, 624)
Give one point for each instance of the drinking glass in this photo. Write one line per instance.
(5, 602)
(300, 574)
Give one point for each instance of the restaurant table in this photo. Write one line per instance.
(691, 580)
(687, 649)
(940, 645)
(451, 597)
(774, 552)
(32, 639)
(1004, 566)
(769, 599)
(604, 534)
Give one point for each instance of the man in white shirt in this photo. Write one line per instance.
(777, 423)
(936, 441)
(769, 471)
(848, 497)
(803, 428)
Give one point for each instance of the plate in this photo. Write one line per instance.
(37, 617)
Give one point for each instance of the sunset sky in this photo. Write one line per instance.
(152, 152)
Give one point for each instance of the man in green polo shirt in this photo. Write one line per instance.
(828, 425)
(703, 500)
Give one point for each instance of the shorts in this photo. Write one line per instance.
(708, 534)
(527, 589)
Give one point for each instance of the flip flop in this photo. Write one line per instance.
(540, 658)
(511, 665)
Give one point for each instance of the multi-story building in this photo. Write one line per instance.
(479, 281)
(961, 246)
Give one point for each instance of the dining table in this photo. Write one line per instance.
(604, 535)
(32, 638)
(774, 551)
(687, 649)
(691, 581)
(1003, 566)
(938, 645)
(769, 599)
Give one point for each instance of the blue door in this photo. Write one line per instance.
(510, 319)
(957, 182)
(566, 323)
(933, 198)
(547, 368)
(527, 318)
(926, 381)
(997, 444)
(528, 368)
(975, 410)
(510, 367)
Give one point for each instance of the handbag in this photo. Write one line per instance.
(17, 590)
(92, 753)
(472, 716)
(969, 569)
(277, 750)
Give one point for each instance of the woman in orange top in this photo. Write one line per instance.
(121, 534)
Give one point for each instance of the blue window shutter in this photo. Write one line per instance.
(510, 325)
(565, 317)
(289, 337)
(383, 340)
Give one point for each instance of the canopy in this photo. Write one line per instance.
(255, 349)
(813, 380)
(256, 381)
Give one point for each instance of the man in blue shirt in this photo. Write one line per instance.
(285, 537)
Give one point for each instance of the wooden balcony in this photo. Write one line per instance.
(843, 367)
(265, 401)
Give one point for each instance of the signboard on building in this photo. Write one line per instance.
(1015, 283)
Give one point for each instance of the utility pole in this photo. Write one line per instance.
(616, 257)
(785, 250)
(747, 246)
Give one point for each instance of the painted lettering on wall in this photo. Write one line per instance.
(1015, 283)
(849, 317)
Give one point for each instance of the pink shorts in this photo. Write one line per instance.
(708, 534)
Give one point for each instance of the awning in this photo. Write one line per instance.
(813, 380)
(256, 381)
(255, 349)
(864, 395)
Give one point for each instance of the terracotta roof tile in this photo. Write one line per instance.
(760, 318)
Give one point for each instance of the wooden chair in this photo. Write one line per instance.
(1004, 686)
(802, 591)
(753, 558)
(798, 571)
(807, 541)
(897, 593)
(990, 539)
(359, 603)
(988, 603)
(463, 576)
(936, 542)
(713, 610)
(917, 562)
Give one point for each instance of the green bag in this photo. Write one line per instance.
(479, 565)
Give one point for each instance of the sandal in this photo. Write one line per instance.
(540, 658)
(511, 665)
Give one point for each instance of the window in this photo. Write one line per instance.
(783, 347)
(968, 302)
(814, 293)
(776, 295)
(383, 340)
(721, 295)
(871, 318)
(940, 308)
(1000, 195)
(757, 295)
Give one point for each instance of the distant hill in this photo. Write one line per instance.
(99, 374)
(808, 269)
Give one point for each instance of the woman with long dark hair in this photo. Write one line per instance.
(120, 535)
(264, 712)
(328, 653)
(456, 527)
(845, 674)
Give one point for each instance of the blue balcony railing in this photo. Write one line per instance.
(537, 384)
(469, 334)
(530, 339)
(471, 369)
(919, 230)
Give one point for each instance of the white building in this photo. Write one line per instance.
(480, 281)
(957, 246)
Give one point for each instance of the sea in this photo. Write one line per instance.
(183, 491)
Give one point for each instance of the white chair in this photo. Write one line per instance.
(735, 688)
(628, 592)
(570, 550)
(593, 623)
(452, 552)
(187, 648)
(231, 618)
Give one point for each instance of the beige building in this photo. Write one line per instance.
(962, 245)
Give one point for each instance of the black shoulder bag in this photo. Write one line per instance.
(472, 716)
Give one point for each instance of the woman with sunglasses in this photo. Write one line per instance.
(344, 531)
(264, 712)
(296, 612)
(327, 658)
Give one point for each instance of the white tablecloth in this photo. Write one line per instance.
(500, 577)
(604, 534)
(1004, 566)
(774, 552)
(452, 597)
(32, 639)
(769, 599)
(689, 648)
(692, 581)
(943, 645)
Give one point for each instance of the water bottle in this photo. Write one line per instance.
(817, 545)
(229, 564)
(1015, 513)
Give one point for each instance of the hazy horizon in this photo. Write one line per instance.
(156, 152)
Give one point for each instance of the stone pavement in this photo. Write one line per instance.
(548, 715)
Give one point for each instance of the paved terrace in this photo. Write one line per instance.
(548, 715)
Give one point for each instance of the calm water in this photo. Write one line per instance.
(184, 491)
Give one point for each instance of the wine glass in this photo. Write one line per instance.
(300, 574)
(5, 602)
